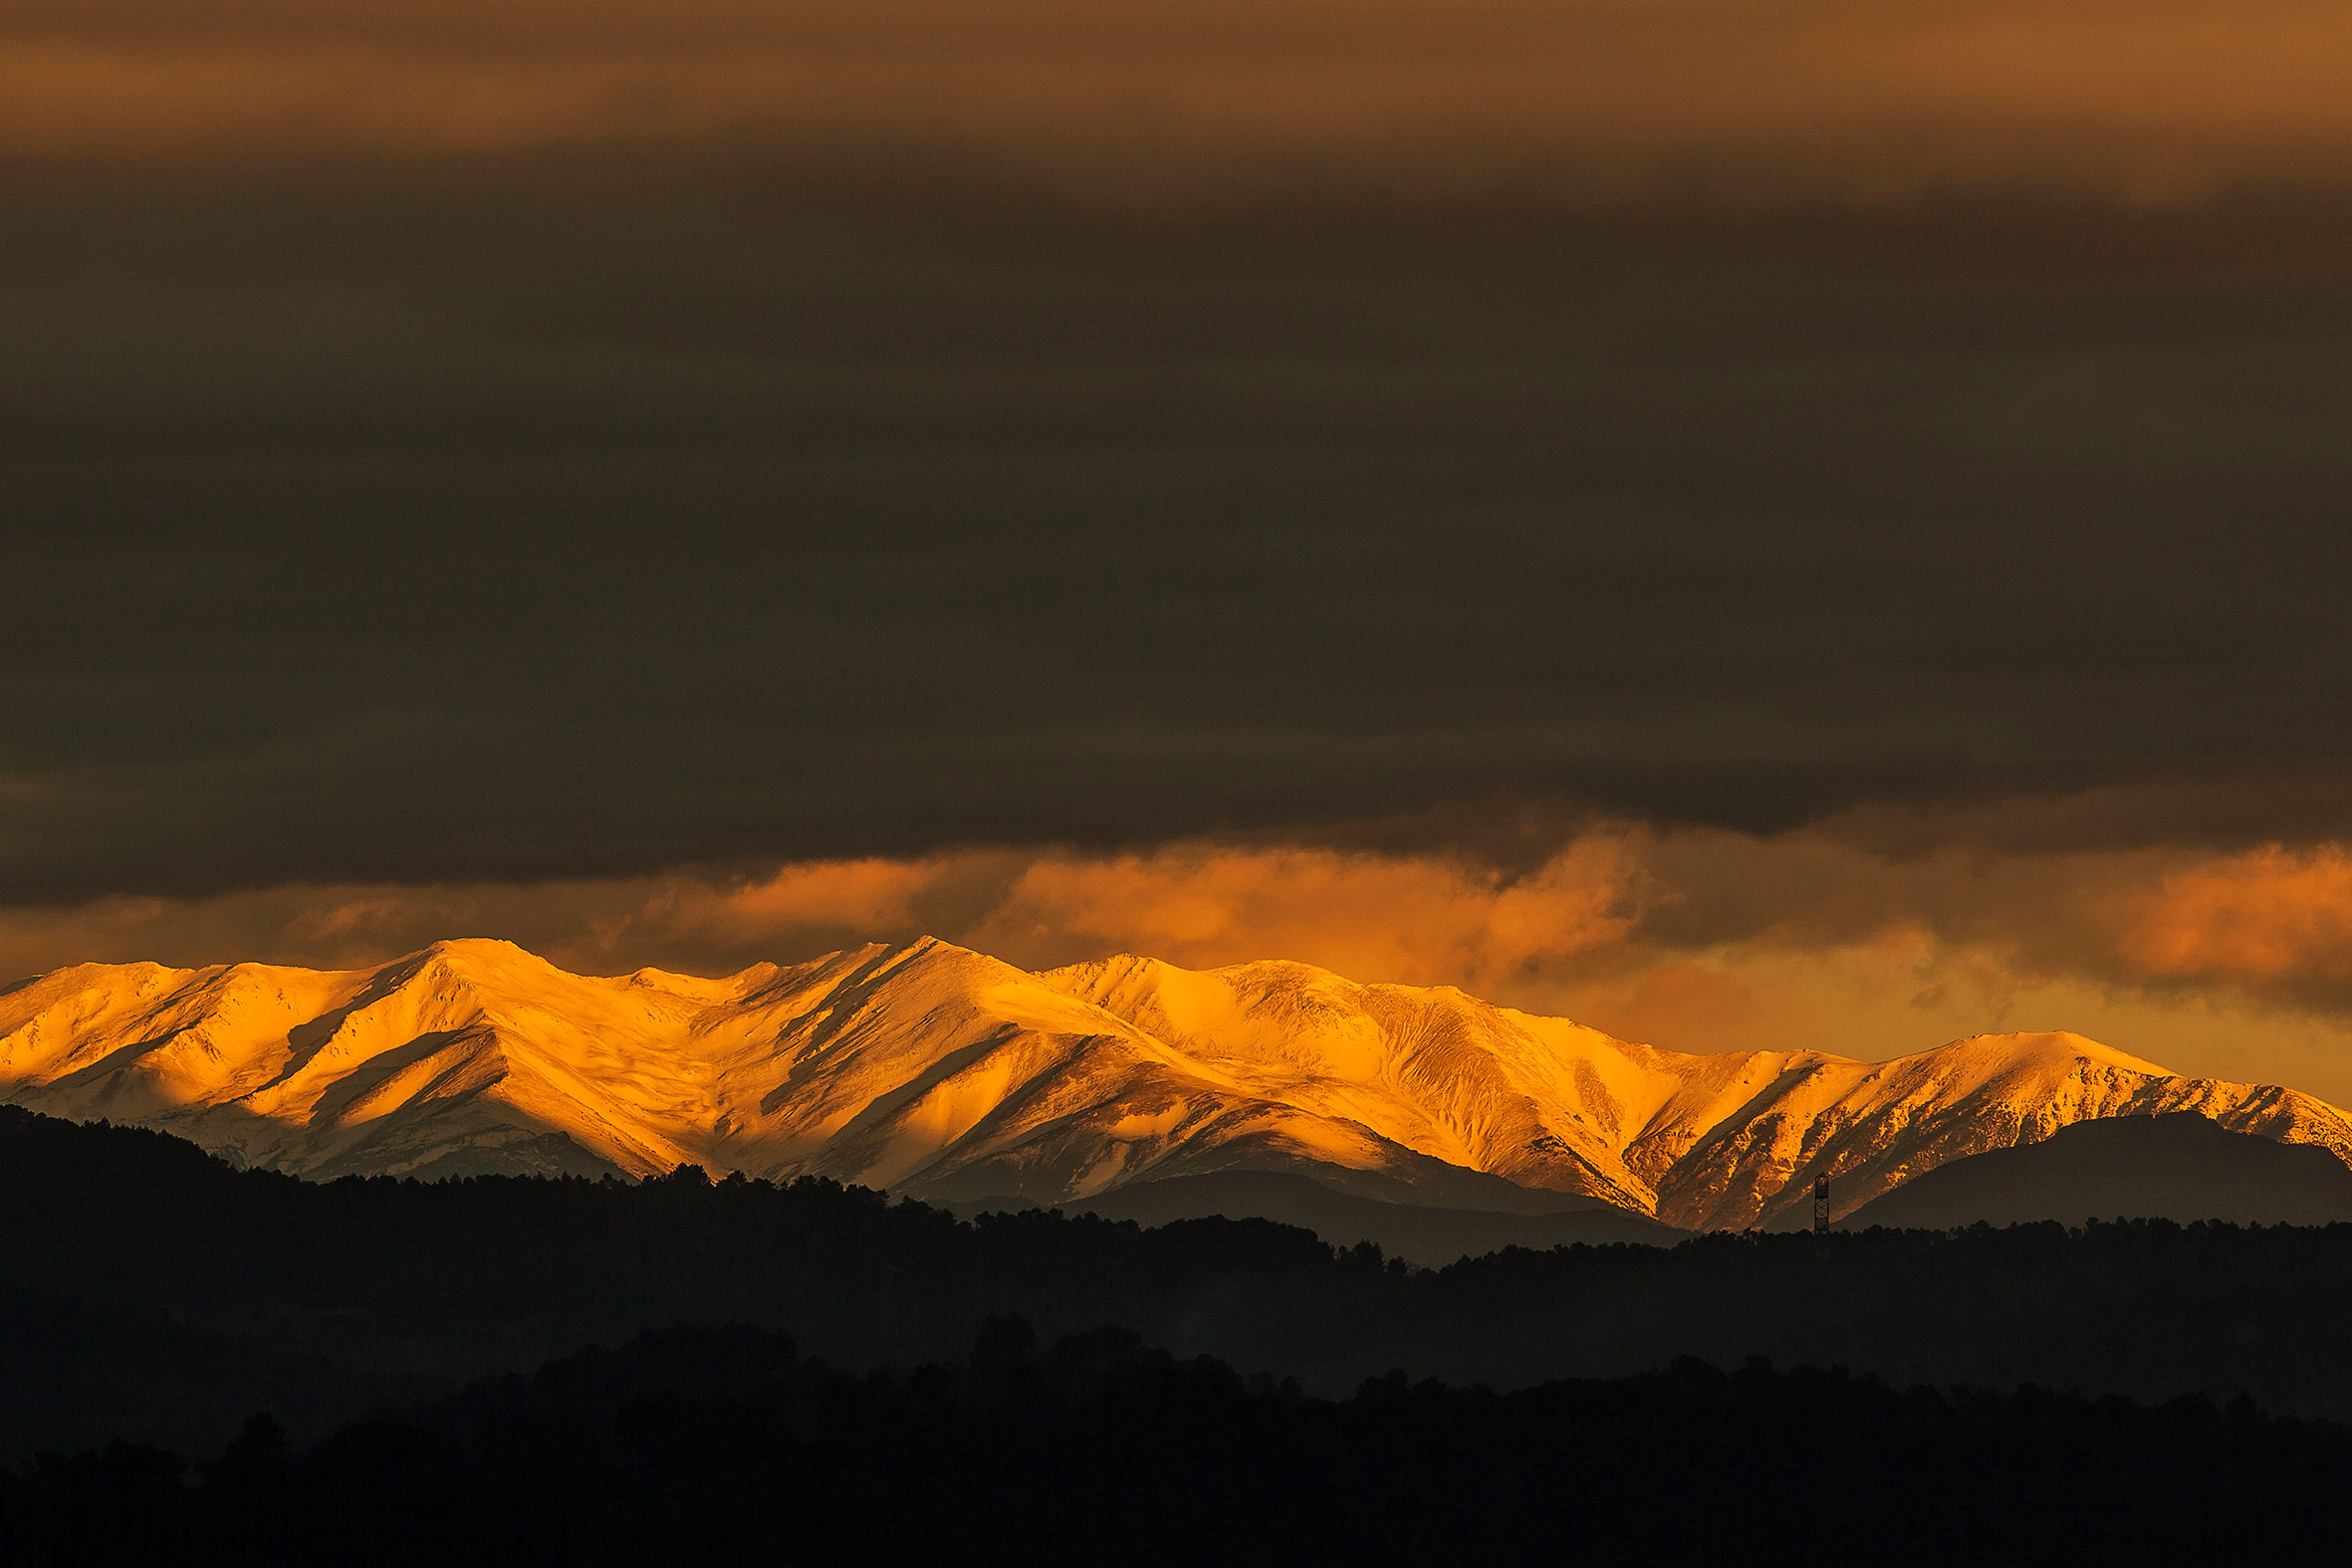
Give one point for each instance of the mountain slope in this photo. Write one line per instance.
(2175, 1166)
(933, 1070)
(1698, 1141)
(922, 1067)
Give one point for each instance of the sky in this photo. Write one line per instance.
(1811, 524)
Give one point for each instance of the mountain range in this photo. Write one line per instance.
(941, 1074)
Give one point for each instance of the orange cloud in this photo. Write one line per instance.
(2189, 82)
(1421, 920)
(2269, 916)
(865, 895)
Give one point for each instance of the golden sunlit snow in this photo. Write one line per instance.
(942, 1072)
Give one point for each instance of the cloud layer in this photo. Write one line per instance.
(591, 512)
(2165, 97)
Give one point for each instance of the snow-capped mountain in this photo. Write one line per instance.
(941, 1072)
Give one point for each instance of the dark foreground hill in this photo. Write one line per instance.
(2182, 1167)
(1419, 1233)
(724, 1446)
(149, 1292)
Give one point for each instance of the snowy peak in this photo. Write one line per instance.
(929, 1069)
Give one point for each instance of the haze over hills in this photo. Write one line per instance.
(940, 1073)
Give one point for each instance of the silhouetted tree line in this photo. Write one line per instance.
(723, 1446)
(151, 1293)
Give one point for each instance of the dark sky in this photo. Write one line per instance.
(641, 442)
(443, 514)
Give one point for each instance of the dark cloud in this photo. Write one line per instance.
(590, 511)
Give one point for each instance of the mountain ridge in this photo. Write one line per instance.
(933, 1070)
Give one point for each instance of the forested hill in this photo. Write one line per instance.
(724, 1446)
(153, 1293)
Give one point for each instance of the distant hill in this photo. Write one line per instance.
(2183, 1168)
(1419, 1233)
